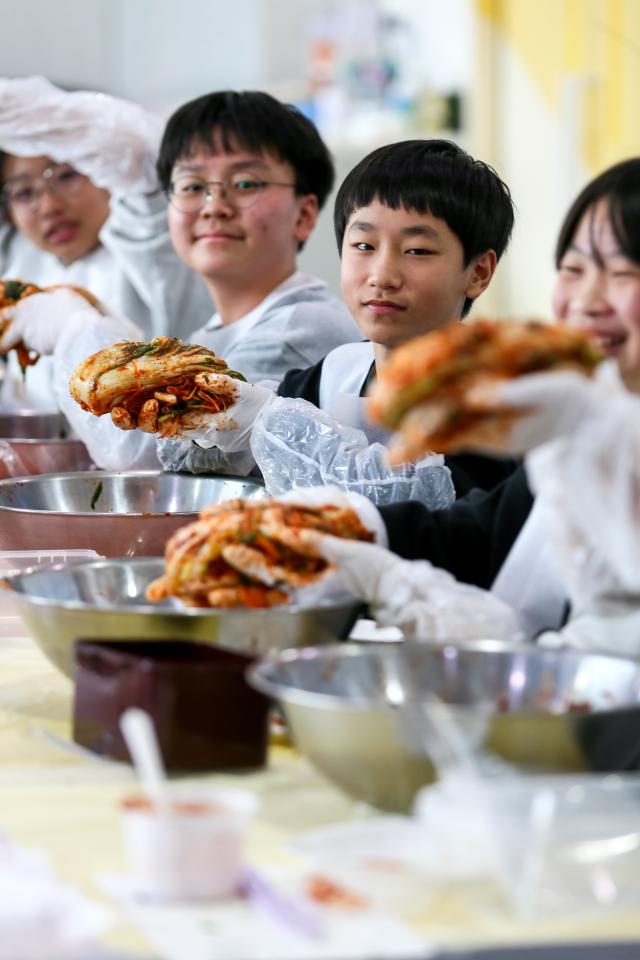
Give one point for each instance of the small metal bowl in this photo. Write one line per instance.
(115, 514)
(34, 443)
(538, 709)
(104, 599)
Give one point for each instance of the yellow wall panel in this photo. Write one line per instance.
(598, 40)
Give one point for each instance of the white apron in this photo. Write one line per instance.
(344, 372)
(529, 580)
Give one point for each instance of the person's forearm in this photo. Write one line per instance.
(297, 445)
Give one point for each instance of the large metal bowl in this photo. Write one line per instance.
(355, 711)
(33, 443)
(115, 514)
(33, 425)
(104, 599)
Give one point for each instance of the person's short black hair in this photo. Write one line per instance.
(436, 177)
(255, 121)
(619, 186)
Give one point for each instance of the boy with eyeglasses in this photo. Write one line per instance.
(245, 177)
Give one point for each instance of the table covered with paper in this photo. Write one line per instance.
(393, 886)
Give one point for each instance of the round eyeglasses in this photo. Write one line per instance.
(241, 189)
(25, 192)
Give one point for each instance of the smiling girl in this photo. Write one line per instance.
(598, 261)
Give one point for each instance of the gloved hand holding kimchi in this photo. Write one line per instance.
(251, 554)
(426, 603)
(465, 388)
(32, 317)
(164, 386)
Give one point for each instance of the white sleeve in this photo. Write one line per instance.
(109, 447)
(137, 236)
(589, 485)
(297, 445)
(112, 141)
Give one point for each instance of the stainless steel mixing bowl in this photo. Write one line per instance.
(105, 599)
(355, 711)
(33, 425)
(115, 514)
(33, 443)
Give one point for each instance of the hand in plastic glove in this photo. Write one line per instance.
(39, 321)
(545, 406)
(426, 603)
(368, 514)
(229, 431)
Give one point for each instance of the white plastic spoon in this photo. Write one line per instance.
(140, 737)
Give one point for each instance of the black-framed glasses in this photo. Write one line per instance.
(189, 193)
(25, 192)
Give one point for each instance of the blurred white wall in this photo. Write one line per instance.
(164, 52)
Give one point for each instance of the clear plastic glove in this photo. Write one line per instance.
(427, 604)
(544, 406)
(229, 431)
(110, 140)
(295, 445)
(40, 320)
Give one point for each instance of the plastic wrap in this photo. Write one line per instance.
(112, 141)
(557, 846)
(40, 916)
(296, 445)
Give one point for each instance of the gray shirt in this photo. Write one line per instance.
(296, 325)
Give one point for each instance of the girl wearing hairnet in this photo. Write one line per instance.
(245, 177)
(81, 205)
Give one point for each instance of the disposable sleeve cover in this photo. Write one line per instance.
(159, 285)
(112, 141)
(109, 447)
(296, 445)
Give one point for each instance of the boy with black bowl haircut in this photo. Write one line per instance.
(420, 227)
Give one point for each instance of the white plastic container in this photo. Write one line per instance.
(191, 851)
